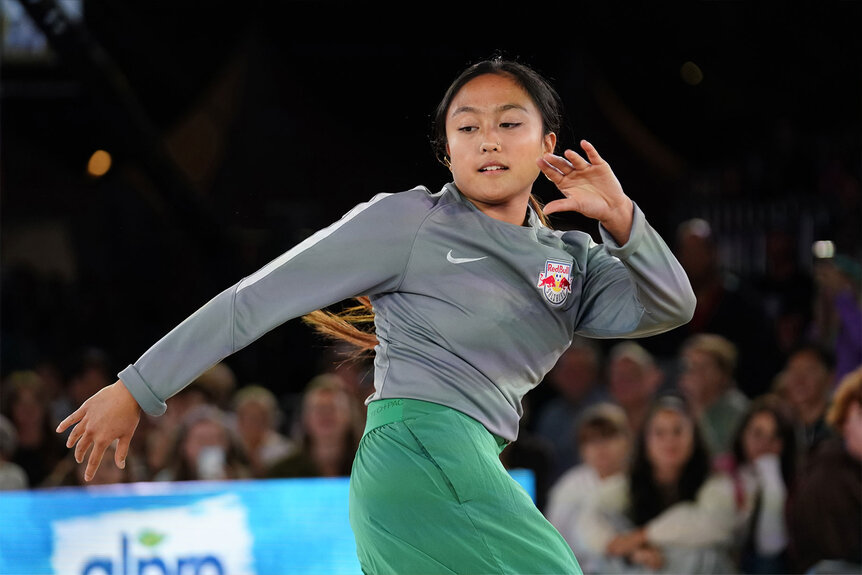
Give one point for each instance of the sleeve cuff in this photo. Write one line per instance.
(142, 393)
(635, 237)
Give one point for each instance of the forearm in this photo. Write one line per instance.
(188, 350)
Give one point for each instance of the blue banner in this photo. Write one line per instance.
(297, 526)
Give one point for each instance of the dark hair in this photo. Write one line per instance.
(785, 426)
(544, 95)
(647, 499)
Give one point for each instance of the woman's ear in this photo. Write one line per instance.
(549, 142)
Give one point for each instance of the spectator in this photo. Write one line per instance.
(633, 381)
(206, 449)
(12, 475)
(605, 439)
(257, 420)
(766, 455)
(806, 383)
(26, 405)
(329, 433)
(825, 508)
(707, 381)
(838, 313)
(160, 433)
(575, 380)
(670, 513)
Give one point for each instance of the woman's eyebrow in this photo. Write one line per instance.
(471, 109)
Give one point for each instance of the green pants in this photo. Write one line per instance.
(428, 494)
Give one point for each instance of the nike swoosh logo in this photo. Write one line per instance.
(455, 260)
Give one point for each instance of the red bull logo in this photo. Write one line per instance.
(556, 281)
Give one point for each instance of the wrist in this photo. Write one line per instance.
(619, 222)
(126, 395)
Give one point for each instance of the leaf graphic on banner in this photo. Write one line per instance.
(150, 538)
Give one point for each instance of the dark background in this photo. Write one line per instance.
(237, 129)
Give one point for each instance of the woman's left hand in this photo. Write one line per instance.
(591, 188)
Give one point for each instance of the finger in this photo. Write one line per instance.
(577, 161)
(95, 460)
(76, 434)
(550, 171)
(74, 417)
(81, 449)
(562, 165)
(561, 205)
(592, 153)
(122, 451)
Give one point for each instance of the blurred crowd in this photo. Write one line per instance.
(731, 444)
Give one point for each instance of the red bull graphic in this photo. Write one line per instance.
(556, 281)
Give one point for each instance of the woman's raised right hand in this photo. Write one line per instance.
(110, 414)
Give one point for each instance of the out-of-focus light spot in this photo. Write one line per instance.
(823, 249)
(99, 164)
(691, 73)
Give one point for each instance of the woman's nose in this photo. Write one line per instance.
(491, 147)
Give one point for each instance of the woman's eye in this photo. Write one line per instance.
(510, 124)
(468, 129)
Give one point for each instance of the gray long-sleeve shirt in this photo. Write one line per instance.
(470, 312)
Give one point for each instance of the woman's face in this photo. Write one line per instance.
(669, 441)
(494, 135)
(253, 420)
(326, 414)
(760, 436)
(204, 433)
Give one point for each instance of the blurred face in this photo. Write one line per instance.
(852, 430)
(494, 136)
(701, 378)
(669, 441)
(204, 434)
(630, 383)
(696, 256)
(327, 414)
(28, 408)
(252, 420)
(607, 455)
(761, 437)
(805, 380)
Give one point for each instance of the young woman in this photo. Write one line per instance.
(328, 432)
(474, 299)
(765, 453)
(670, 513)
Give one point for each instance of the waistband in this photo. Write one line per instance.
(385, 411)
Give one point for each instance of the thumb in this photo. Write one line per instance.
(561, 205)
